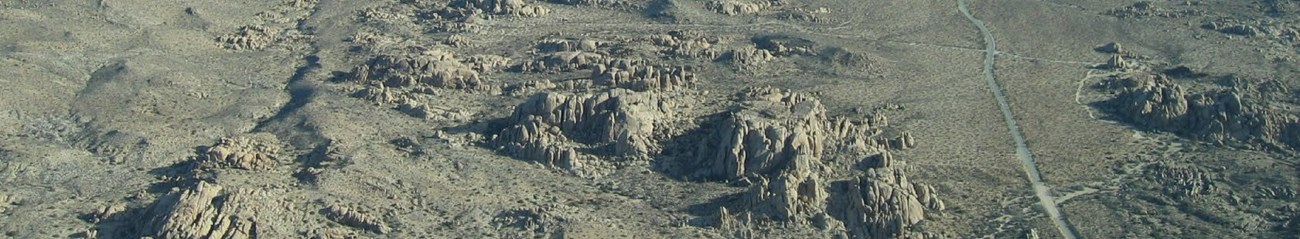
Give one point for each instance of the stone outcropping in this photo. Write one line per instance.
(563, 61)
(749, 59)
(551, 127)
(518, 8)
(249, 152)
(780, 143)
(353, 218)
(249, 38)
(884, 204)
(1218, 116)
(1181, 181)
(738, 7)
(773, 127)
(204, 211)
(438, 69)
(641, 77)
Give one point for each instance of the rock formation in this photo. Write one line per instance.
(738, 7)
(884, 204)
(249, 152)
(569, 44)
(792, 195)
(517, 8)
(204, 211)
(438, 69)
(353, 218)
(1181, 181)
(641, 77)
(1219, 116)
(774, 128)
(782, 45)
(248, 38)
(749, 59)
(1143, 9)
(563, 61)
(538, 222)
(550, 127)
(781, 141)
(686, 44)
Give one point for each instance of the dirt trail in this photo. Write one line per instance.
(1041, 189)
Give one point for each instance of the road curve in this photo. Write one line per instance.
(1045, 198)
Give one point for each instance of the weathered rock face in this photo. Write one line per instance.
(797, 192)
(437, 69)
(249, 152)
(778, 140)
(774, 128)
(550, 127)
(204, 211)
(641, 77)
(1219, 116)
(884, 204)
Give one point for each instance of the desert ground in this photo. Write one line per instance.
(649, 119)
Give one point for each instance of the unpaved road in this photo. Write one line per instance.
(1022, 151)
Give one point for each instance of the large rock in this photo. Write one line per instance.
(1219, 116)
(884, 204)
(794, 194)
(204, 211)
(772, 129)
(642, 77)
(438, 69)
(250, 152)
(550, 127)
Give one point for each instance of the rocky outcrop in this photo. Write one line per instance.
(569, 44)
(640, 77)
(749, 59)
(686, 44)
(884, 204)
(1219, 116)
(438, 69)
(353, 218)
(783, 45)
(738, 7)
(203, 211)
(249, 152)
(1181, 181)
(773, 129)
(792, 195)
(518, 8)
(248, 38)
(1142, 9)
(563, 61)
(551, 127)
(780, 142)
(537, 222)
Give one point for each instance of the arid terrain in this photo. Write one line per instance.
(649, 119)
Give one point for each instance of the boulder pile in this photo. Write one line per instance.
(1217, 115)
(552, 127)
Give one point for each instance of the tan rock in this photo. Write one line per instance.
(353, 218)
(250, 152)
(204, 211)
